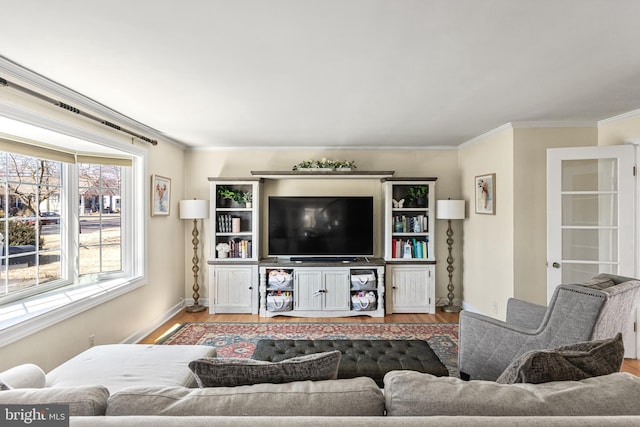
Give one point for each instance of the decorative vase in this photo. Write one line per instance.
(223, 254)
(249, 205)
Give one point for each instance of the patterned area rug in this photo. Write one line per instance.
(240, 339)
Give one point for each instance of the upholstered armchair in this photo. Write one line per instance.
(596, 310)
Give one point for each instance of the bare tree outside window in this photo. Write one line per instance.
(30, 191)
(100, 224)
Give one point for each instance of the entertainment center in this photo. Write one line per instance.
(319, 259)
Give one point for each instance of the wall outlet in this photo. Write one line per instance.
(92, 340)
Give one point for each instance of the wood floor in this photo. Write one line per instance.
(630, 365)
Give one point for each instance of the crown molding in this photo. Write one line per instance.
(475, 140)
(530, 125)
(623, 116)
(327, 148)
(555, 124)
(38, 82)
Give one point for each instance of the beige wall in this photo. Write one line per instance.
(202, 164)
(505, 254)
(619, 130)
(530, 203)
(131, 313)
(488, 251)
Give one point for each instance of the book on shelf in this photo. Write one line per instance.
(240, 248)
(226, 224)
(411, 224)
(410, 248)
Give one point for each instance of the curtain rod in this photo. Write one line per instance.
(75, 110)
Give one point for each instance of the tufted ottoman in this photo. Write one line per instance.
(360, 358)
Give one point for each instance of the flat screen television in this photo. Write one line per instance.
(320, 226)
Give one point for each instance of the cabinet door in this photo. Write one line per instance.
(410, 288)
(233, 289)
(308, 289)
(336, 286)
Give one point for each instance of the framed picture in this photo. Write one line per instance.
(160, 195)
(486, 194)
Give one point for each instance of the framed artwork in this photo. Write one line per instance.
(160, 195)
(486, 194)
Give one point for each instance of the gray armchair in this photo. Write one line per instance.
(575, 313)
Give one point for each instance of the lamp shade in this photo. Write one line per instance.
(194, 209)
(450, 209)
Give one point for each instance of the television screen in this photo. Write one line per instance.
(321, 226)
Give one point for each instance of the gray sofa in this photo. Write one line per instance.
(154, 389)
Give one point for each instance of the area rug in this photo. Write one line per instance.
(240, 339)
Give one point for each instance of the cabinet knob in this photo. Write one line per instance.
(250, 287)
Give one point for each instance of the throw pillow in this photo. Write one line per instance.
(230, 372)
(569, 363)
(599, 282)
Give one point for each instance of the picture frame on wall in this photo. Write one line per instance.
(485, 186)
(160, 195)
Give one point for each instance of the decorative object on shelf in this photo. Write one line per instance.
(195, 210)
(325, 165)
(160, 195)
(237, 196)
(223, 250)
(450, 209)
(248, 199)
(486, 194)
(417, 196)
(398, 204)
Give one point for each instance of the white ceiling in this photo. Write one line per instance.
(335, 73)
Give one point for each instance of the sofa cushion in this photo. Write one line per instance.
(211, 372)
(347, 397)
(571, 362)
(85, 400)
(410, 393)
(116, 366)
(27, 375)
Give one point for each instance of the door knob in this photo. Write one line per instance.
(555, 265)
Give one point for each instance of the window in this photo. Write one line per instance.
(30, 205)
(33, 216)
(100, 205)
(72, 231)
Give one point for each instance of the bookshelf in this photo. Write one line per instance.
(409, 224)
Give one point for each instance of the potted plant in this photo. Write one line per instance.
(417, 196)
(237, 196)
(247, 198)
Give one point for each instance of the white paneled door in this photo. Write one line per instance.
(591, 216)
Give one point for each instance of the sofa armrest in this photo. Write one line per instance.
(524, 314)
(487, 345)
(24, 376)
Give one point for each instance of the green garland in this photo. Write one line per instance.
(325, 164)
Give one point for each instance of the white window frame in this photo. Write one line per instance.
(27, 316)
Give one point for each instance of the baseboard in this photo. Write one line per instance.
(138, 336)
